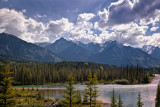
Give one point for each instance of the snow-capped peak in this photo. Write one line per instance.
(148, 48)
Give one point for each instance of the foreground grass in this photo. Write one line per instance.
(30, 98)
(33, 98)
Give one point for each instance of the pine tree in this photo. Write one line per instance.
(6, 91)
(95, 90)
(139, 102)
(90, 94)
(90, 89)
(78, 97)
(113, 99)
(85, 97)
(157, 100)
(70, 97)
(120, 102)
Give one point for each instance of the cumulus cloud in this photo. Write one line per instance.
(12, 22)
(82, 30)
(124, 11)
(59, 26)
(125, 33)
(152, 21)
(154, 28)
(130, 33)
(16, 23)
(85, 17)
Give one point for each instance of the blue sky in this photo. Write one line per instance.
(131, 22)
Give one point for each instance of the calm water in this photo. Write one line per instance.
(128, 93)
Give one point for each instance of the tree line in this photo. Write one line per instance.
(43, 73)
(71, 97)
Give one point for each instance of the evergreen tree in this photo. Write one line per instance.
(113, 99)
(139, 102)
(157, 100)
(78, 97)
(6, 91)
(90, 89)
(70, 97)
(85, 97)
(120, 102)
(95, 90)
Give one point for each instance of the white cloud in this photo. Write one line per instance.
(82, 30)
(12, 22)
(85, 17)
(125, 33)
(124, 11)
(101, 25)
(59, 27)
(40, 16)
(24, 11)
(28, 29)
(152, 21)
(154, 28)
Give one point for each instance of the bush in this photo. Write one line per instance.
(123, 81)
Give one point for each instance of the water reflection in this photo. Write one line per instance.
(129, 93)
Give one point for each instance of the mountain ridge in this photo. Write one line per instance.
(13, 46)
(111, 52)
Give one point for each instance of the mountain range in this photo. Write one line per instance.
(111, 52)
(12, 46)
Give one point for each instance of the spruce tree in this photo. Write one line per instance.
(70, 97)
(157, 100)
(120, 102)
(139, 102)
(90, 94)
(113, 99)
(90, 89)
(6, 91)
(85, 97)
(95, 90)
(78, 97)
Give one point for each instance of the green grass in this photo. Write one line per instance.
(30, 98)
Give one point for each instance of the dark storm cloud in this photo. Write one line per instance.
(125, 11)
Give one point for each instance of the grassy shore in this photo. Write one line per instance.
(31, 97)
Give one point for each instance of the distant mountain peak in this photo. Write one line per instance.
(62, 39)
(11, 45)
(148, 48)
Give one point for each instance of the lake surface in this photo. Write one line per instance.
(129, 93)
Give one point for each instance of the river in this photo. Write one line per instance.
(129, 93)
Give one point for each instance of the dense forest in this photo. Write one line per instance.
(44, 73)
(26, 97)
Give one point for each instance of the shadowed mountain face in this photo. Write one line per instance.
(13, 46)
(70, 51)
(111, 52)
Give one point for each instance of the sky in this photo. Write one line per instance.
(130, 22)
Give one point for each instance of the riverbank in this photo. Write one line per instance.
(129, 93)
(156, 77)
(62, 86)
